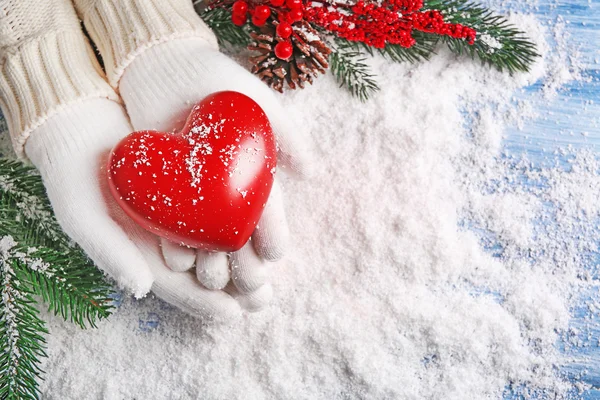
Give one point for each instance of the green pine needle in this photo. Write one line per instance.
(21, 335)
(66, 283)
(71, 285)
(38, 259)
(498, 43)
(23, 197)
(349, 69)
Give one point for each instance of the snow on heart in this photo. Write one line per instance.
(205, 186)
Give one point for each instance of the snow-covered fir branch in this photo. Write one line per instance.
(8, 312)
(37, 261)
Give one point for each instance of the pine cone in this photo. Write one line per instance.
(310, 56)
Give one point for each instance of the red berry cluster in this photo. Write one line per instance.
(241, 9)
(373, 23)
(377, 25)
(287, 11)
(433, 22)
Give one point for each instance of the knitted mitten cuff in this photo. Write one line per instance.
(46, 64)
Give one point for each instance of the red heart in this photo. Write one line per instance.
(205, 186)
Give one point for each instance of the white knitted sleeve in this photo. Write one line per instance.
(123, 29)
(46, 63)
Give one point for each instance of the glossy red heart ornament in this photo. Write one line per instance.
(205, 186)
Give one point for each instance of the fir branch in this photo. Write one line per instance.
(58, 270)
(69, 288)
(498, 42)
(348, 66)
(23, 198)
(227, 33)
(21, 333)
(37, 259)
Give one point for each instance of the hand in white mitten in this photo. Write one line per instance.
(159, 83)
(70, 150)
(158, 98)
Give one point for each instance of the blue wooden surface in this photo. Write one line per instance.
(572, 118)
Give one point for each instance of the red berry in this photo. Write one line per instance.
(295, 15)
(257, 21)
(284, 30)
(277, 3)
(240, 7)
(262, 13)
(293, 4)
(284, 50)
(238, 19)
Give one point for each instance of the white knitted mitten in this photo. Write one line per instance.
(70, 149)
(160, 76)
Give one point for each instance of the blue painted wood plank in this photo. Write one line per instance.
(571, 118)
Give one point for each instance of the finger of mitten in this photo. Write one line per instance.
(177, 257)
(253, 301)
(248, 271)
(183, 290)
(271, 237)
(212, 269)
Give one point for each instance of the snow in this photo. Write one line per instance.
(421, 268)
(9, 294)
(492, 43)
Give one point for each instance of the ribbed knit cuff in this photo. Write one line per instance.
(42, 76)
(123, 29)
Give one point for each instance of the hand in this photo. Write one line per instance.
(159, 88)
(70, 150)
